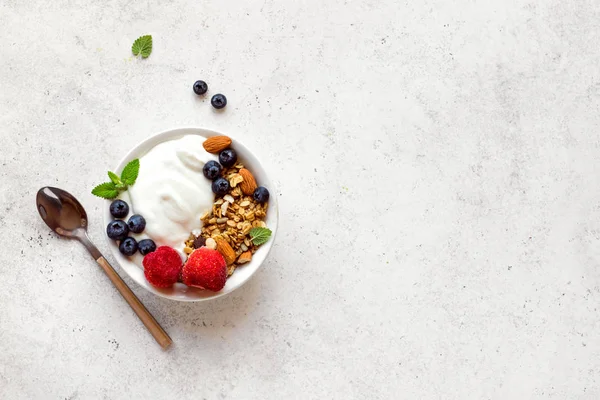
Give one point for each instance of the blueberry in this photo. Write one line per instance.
(117, 230)
(136, 223)
(119, 209)
(218, 101)
(227, 157)
(146, 246)
(261, 194)
(220, 186)
(212, 170)
(200, 87)
(128, 246)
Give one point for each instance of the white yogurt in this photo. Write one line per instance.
(171, 192)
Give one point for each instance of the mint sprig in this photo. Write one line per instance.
(130, 172)
(114, 178)
(142, 46)
(106, 190)
(110, 190)
(260, 235)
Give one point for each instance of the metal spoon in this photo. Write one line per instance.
(66, 216)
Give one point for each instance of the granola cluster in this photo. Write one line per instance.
(229, 222)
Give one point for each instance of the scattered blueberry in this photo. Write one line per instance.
(218, 101)
(136, 223)
(119, 209)
(200, 87)
(261, 194)
(128, 246)
(220, 186)
(228, 157)
(212, 170)
(117, 230)
(146, 246)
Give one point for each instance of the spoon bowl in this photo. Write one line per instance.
(61, 211)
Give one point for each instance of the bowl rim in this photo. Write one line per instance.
(171, 134)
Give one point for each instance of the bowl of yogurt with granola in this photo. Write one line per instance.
(191, 214)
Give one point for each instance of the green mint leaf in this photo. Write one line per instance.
(130, 172)
(142, 46)
(106, 190)
(260, 235)
(114, 178)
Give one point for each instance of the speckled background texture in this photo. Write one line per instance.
(436, 165)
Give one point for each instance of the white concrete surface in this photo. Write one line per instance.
(437, 168)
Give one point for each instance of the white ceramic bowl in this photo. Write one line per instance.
(242, 274)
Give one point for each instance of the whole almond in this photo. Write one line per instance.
(245, 257)
(248, 185)
(216, 144)
(226, 251)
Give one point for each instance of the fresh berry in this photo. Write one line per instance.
(128, 246)
(220, 186)
(200, 87)
(146, 246)
(119, 209)
(212, 170)
(261, 194)
(199, 242)
(117, 230)
(218, 101)
(136, 223)
(162, 267)
(227, 157)
(206, 269)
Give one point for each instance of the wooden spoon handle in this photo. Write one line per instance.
(154, 327)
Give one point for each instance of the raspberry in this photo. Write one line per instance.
(162, 267)
(206, 269)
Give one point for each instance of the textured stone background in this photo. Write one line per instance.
(437, 168)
